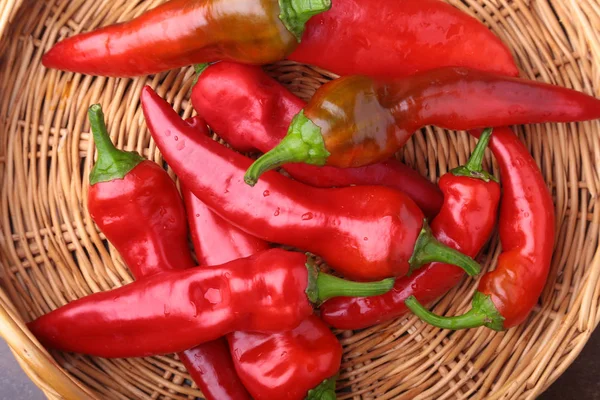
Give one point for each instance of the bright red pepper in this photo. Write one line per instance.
(288, 365)
(183, 32)
(271, 291)
(465, 222)
(284, 365)
(252, 111)
(506, 295)
(137, 206)
(393, 38)
(365, 232)
(356, 120)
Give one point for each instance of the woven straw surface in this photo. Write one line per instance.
(51, 252)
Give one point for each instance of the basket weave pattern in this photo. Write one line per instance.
(52, 253)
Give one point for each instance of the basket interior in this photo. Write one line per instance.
(52, 253)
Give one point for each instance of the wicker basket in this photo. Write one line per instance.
(51, 252)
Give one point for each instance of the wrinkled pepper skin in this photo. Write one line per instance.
(396, 38)
(465, 222)
(286, 365)
(527, 226)
(173, 311)
(356, 120)
(143, 216)
(252, 111)
(183, 32)
(366, 232)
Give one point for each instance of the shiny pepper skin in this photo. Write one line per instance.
(184, 32)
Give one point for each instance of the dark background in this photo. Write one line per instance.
(581, 381)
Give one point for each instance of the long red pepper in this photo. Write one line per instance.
(357, 120)
(506, 295)
(252, 111)
(137, 206)
(289, 365)
(284, 365)
(393, 38)
(271, 291)
(465, 222)
(365, 232)
(183, 32)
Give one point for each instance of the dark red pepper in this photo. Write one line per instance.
(356, 120)
(465, 223)
(183, 32)
(288, 365)
(506, 295)
(252, 111)
(365, 232)
(394, 38)
(172, 311)
(137, 206)
(283, 365)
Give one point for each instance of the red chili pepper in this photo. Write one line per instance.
(252, 111)
(365, 232)
(271, 291)
(183, 32)
(465, 223)
(284, 365)
(137, 206)
(288, 365)
(506, 295)
(356, 120)
(393, 38)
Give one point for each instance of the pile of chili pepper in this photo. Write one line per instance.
(242, 320)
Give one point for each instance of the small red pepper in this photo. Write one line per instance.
(393, 38)
(365, 232)
(506, 295)
(252, 111)
(183, 32)
(137, 206)
(283, 365)
(271, 291)
(356, 120)
(465, 222)
(288, 365)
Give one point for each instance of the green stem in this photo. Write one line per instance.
(322, 287)
(482, 313)
(325, 390)
(199, 69)
(303, 143)
(428, 249)
(296, 13)
(474, 167)
(112, 163)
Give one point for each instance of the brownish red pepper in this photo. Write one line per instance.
(357, 120)
(183, 32)
(465, 222)
(252, 111)
(365, 232)
(136, 205)
(506, 295)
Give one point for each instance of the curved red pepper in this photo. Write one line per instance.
(271, 291)
(183, 32)
(156, 242)
(393, 38)
(356, 120)
(252, 111)
(506, 295)
(287, 365)
(367, 233)
(465, 222)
